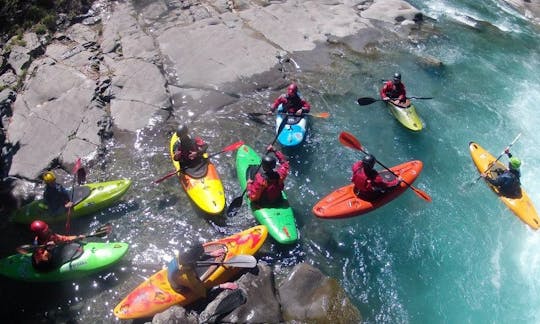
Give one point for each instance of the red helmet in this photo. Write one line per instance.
(39, 227)
(292, 89)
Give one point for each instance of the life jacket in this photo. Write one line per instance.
(509, 184)
(392, 90)
(272, 185)
(293, 104)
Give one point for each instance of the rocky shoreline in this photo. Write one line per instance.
(124, 68)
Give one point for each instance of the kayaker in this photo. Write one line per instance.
(181, 271)
(291, 102)
(55, 196)
(368, 183)
(267, 185)
(42, 258)
(189, 152)
(394, 90)
(508, 181)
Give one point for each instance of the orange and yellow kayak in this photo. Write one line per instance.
(523, 206)
(206, 191)
(156, 294)
(344, 202)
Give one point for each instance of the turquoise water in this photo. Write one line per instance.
(464, 258)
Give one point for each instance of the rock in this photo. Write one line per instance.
(529, 8)
(325, 302)
(139, 92)
(175, 314)
(392, 11)
(15, 193)
(8, 79)
(19, 59)
(261, 304)
(47, 116)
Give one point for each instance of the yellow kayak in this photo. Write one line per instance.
(156, 294)
(203, 187)
(522, 206)
(406, 115)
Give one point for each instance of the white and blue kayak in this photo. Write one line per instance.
(295, 129)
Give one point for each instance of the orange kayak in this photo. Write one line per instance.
(156, 294)
(522, 206)
(343, 202)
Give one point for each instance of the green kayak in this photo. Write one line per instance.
(88, 198)
(278, 219)
(75, 260)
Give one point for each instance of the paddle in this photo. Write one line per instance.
(237, 202)
(499, 157)
(348, 139)
(368, 100)
(75, 172)
(237, 261)
(100, 232)
(231, 147)
(318, 115)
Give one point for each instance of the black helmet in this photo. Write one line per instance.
(182, 131)
(397, 77)
(191, 254)
(268, 162)
(369, 161)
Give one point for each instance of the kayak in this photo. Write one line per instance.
(279, 219)
(407, 116)
(522, 206)
(156, 294)
(344, 202)
(294, 131)
(75, 260)
(202, 184)
(88, 199)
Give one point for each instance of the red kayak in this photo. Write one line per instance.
(343, 202)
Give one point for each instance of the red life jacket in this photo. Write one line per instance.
(271, 186)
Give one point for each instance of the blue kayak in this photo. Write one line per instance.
(295, 129)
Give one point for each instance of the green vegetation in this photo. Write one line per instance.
(22, 15)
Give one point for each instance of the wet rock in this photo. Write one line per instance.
(262, 305)
(15, 193)
(324, 302)
(175, 314)
(529, 8)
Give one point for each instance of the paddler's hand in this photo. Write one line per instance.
(192, 155)
(386, 99)
(299, 112)
(69, 204)
(483, 175)
(270, 148)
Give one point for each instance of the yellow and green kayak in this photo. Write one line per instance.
(204, 187)
(521, 206)
(88, 199)
(406, 115)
